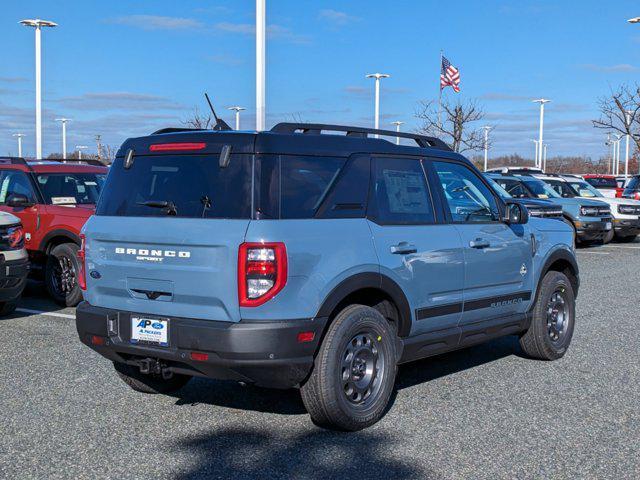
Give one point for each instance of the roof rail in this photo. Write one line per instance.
(13, 161)
(88, 161)
(317, 129)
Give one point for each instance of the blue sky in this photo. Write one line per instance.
(123, 68)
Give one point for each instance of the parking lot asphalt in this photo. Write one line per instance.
(484, 412)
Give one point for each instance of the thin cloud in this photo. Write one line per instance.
(274, 31)
(498, 96)
(357, 90)
(156, 22)
(118, 101)
(225, 59)
(12, 79)
(336, 17)
(621, 67)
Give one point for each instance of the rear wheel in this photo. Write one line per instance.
(149, 383)
(354, 372)
(8, 307)
(553, 319)
(627, 239)
(61, 275)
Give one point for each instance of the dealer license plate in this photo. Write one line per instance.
(154, 331)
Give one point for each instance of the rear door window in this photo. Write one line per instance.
(70, 188)
(15, 182)
(191, 186)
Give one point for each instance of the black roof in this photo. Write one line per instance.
(295, 138)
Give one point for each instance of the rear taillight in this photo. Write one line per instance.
(262, 272)
(15, 237)
(82, 271)
(177, 147)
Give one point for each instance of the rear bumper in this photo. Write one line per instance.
(593, 230)
(624, 228)
(13, 278)
(265, 353)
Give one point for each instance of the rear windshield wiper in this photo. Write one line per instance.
(169, 207)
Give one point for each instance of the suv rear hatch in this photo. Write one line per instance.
(166, 233)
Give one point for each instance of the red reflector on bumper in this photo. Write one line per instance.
(304, 337)
(96, 340)
(199, 357)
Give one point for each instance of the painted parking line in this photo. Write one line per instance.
(595, 253)
(42, 312)
(628, 247)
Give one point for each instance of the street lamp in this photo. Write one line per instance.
(237, 110)
(541, 101)
(376, 114)
(617, 152)
(64, 135)
(627, 124)
(544, 157)
(38, 24)
(634, 20)
(397, 123)
(19, 136)
(261, 29)
(80, 148)
(486, 129)
(536, 158)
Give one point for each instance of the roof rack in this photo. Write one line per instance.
(13, 161)
(362, 132)
(88, 161)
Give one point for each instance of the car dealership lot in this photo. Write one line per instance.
(483, 412)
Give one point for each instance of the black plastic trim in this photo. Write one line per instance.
(58, 233)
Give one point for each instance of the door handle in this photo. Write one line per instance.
(403, 248)
(479, 243)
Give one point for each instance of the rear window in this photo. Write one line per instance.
(634, 184)
(189, 186)
(70, 188)
(604, 183)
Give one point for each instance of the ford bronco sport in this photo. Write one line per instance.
(14, 263)
(53, 200)
(302, 258)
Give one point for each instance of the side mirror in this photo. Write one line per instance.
(516, 214)
(19, 200)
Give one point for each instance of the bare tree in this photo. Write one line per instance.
(456, 128)
(199, 121)
(620, 112)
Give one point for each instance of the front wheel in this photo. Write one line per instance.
(553, 319)
(61, 275)
(354, 372)
(608, 237)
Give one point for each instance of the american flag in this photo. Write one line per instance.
(449, 76)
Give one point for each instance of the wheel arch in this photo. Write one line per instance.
(374, 290)
(57, 237)
(561, 260)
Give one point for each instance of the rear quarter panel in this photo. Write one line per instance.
(321, 253)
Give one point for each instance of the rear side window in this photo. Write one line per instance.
(14, 182)
(190, 186)
(604, 183)
(400, 192)
(305, 183)
(70, 188)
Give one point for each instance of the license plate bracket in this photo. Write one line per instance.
(148, 330)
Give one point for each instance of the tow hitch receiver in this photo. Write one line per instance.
(152, 366)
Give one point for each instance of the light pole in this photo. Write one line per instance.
(536, 158)
(544, 157)
(627, 121)
(19, 136)
(541, 101)
(617, 152)
(613, 152)
(486, 129)
(64, 135)
(397, 123)
(376, 114)
(237, 110)
(261, 28)
(80, 148)
(38, 24)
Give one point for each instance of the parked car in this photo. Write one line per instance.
(625, 212)
(300, 258)
(632, 188)
(14, 262)
(591, 220)
(52, 200)
(516, 170)
(606, 184)
(535, 206)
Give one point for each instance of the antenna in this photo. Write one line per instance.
(220, 124)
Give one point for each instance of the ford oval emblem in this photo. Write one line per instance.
(157, 325)
(95, 274)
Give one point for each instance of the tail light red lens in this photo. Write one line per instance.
(15, 237)
(82, 270)
(199, 357)
(262, 272)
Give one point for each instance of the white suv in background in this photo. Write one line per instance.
(625, 211)
(14, 262)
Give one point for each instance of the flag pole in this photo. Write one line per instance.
(440, 95)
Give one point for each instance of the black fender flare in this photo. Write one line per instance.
(378, 281)
(73, 238)
(559, 254)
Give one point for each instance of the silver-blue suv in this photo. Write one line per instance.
(312, 256)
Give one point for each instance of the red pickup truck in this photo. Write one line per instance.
(53, 200)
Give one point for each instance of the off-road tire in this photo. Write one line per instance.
(149, 383)
(537, 340)
(325, 393)
(66, 253)
(9, 307)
